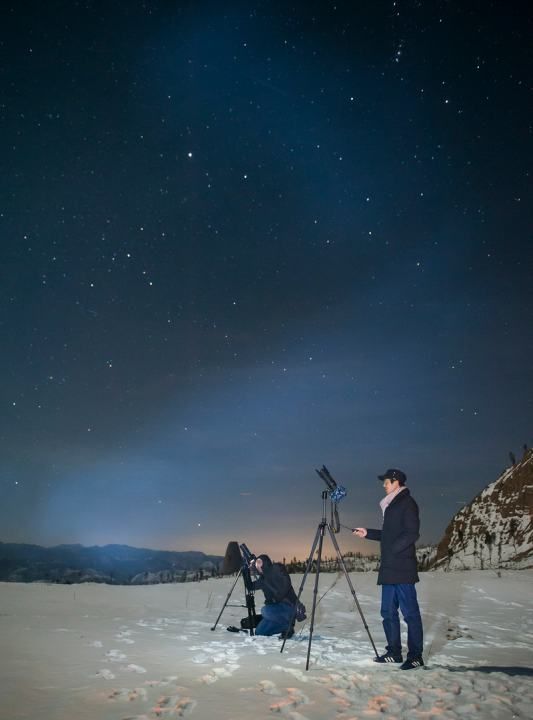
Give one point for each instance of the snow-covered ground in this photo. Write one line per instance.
(98, 652)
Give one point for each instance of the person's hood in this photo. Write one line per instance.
(267, 562)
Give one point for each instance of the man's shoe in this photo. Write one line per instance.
(388, 658)
(412, 663)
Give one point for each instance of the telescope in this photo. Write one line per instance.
(336, 492)
(247, 554)
(240, 559)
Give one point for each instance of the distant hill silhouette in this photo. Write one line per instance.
(114, 564)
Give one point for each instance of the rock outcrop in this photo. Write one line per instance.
(496, 529)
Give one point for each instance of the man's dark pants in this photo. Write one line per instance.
(402, 596)
(276, 618)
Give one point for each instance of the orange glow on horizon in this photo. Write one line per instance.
(276, 546)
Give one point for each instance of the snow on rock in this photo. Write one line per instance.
(496, 529)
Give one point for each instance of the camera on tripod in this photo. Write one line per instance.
(241, 560)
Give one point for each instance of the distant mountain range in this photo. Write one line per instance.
(115, 564)
(495, 530)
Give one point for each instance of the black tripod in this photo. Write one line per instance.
(244, 572)
(319, 538)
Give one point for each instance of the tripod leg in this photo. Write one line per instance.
(308, 567)
(341, 560)
(227, 599)
(250, 605)
(315, 590)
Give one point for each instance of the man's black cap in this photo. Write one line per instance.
(394, 474)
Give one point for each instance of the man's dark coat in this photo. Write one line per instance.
(275, 582)
(401, 529)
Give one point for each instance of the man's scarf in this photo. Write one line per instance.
(384, 504)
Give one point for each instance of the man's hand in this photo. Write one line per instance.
(360, 532)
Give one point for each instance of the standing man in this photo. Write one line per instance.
(397, 572)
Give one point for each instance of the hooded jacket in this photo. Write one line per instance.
(400, 531)
(275, 582)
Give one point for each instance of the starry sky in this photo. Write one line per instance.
(243, 239)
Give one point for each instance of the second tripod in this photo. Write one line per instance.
(319, 540)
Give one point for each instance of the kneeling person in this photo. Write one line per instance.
(280, 598)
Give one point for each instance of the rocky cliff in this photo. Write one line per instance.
(496, 529)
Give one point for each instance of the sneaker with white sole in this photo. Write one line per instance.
(388, 658)
(412, 663)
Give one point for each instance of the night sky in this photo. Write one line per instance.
(243, 239)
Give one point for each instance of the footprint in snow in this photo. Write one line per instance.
(169, 680)
(123, 637)
(134, 668)
(115, 656)
(288, 706)
(217, 673)
(269, 688)
(128, 695)
(166, 705)
(185, 707)
(173, 705)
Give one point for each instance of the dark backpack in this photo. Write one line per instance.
(300, 611)
(245, 622)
